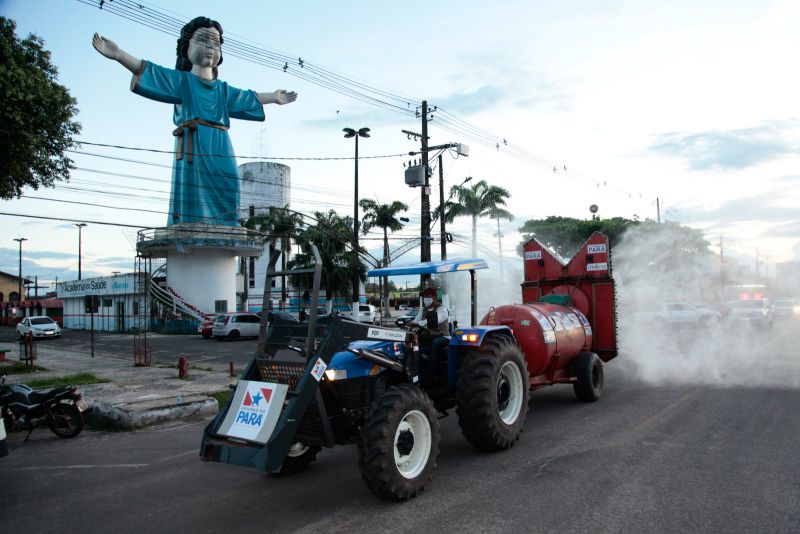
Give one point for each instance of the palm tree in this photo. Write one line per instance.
(278, 225)
(383, 216)
(477, 200)
(332, 235)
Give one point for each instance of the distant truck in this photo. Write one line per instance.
(678, 313)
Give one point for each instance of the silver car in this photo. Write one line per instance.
(232, 326)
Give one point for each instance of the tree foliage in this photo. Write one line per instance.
(36, 125)
(565, 235)
(383, 216)
(332, 236)
(278, 226)
(477, 200)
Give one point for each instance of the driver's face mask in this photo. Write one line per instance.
(427, 301)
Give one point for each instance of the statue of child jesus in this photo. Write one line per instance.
(205, 178)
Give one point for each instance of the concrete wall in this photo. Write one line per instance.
(203, 276)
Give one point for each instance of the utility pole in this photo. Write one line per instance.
(425, 245)
(20, 240)
(443, 244)
(658, 210)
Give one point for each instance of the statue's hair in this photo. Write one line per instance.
(183, 63)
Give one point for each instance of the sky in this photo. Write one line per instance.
(691, 103)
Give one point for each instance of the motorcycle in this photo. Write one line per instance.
(61, 409)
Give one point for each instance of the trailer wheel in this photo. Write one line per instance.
(299, 457)
(588, 370)
(399, 444)
(492, 395)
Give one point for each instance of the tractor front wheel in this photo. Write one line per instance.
(493, 394)
(299, 457)
(588, 371)
(399, 444)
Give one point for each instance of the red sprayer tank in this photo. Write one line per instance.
(550, 335)
(569, 308)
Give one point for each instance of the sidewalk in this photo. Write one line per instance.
(134, 396)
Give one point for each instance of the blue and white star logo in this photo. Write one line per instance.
(256, 398)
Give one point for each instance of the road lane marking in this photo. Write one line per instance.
(650, 420)
(86, 466)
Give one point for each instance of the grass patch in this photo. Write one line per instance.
(69, 380)
(222, 397)
(18, 368)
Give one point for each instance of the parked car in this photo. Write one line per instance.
(206, 326)
(786, 308)
(406, 317)
(306, 313)
(367, 313)
(678, 313)
(757, 312)
(39, 326)
(234, 325)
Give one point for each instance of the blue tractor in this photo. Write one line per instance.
(311, 386)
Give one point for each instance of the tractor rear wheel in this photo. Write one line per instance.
(588, 370)
(399, 444)
(492, 395)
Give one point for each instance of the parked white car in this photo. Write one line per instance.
(39, 326)
(367, 313)
(234, 325)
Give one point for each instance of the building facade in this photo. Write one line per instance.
(118, 303)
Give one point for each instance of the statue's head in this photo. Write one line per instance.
(200, 41)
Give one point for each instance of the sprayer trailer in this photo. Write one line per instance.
(353, 383)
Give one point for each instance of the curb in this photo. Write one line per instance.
(138, 415)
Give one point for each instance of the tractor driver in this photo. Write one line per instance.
(434, 318)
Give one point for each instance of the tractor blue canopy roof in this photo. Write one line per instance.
(432, 267)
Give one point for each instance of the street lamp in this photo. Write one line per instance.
(361, 132)
(20, 240)
(80, 227)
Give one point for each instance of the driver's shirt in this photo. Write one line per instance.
(442, 318)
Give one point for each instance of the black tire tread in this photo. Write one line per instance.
(376, 446)
(295, 464)
(76, 414)
(476, 395)
(582, 369)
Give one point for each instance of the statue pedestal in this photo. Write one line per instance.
(201, 260)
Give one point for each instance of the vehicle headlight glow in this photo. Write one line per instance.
(796, 310)
(472, 338)
(335, 374)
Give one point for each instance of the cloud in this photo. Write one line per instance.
(345, 118)
(36, 254)
(732, 149)
(531, 89)
(764, 207)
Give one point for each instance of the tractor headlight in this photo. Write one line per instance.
(469, 338)
(335, 374)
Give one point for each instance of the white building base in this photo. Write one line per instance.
(204, 277)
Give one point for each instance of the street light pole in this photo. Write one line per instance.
(80, 227)
(20, 240)
(350, 132)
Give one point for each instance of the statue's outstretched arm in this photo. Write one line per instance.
(280, 97)
(109, 49)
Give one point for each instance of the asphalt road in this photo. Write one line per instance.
(165, 349)
(646, 458)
